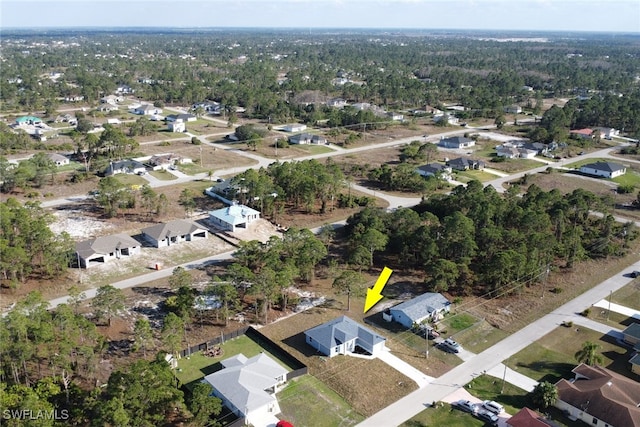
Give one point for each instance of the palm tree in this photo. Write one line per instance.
(589, 354)
(544, 394)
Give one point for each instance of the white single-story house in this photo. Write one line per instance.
(124, 166)
(247, 387)
(164, 161)
(173, 232)
(177, 126)
(107, 108)
(185, 117)
(111, 99)
(513, 109)
(58, 159)
(600, 397)
(113, 121)
(28, 120)
(104, 249)
(426, 307)
(73, 98)
(295, 127)
(124, 90)
(146, 110)
(607, 133)
(306, 138)
(456, 142)
(397, 117)
(435, 169)
(604, 169)
(341, 336)
(233, 217)
(337, 103)
(450, 119)
(511, 152)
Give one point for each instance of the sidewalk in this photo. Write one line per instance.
(512, 377)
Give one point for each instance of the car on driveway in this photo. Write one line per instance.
(466, 406)
(450, 346)
(488, 417)
(492, 406)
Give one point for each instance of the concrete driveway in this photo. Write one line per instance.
(400, 365)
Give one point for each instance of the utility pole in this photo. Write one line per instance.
(504, 376)
(609, 310)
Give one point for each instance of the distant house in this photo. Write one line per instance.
(635, 361)
(450, 119)
(233, 217)
(456, 142)
(185, 117)
(604, 169)
(165, 161)
(177, 126)
(426, 307)
(341, 336)
(513, 109)
(209, 107)
(465, 163)
(111, 99)
(247, 387)
(631, 334)
(28, 120)
(582, 133)
(607, 133)
(147, 110)
(599, 396)
(397, 117)
(511, 152)
(539, 147)
(104, 249)
(124, 166)
(73, 98)
(113, 121)
(296, 127)
(58, 159)
(337, 103)
(124, 90)
(107, 108)
(306, 138)
(173, 232)
(528, 418)
(435, 169)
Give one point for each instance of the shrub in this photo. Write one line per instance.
(586, 312)
(196, 141)
(556, 290)
(625, 189)
(164, 144)
(32, 194)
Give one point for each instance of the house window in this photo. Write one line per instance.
(595, 421)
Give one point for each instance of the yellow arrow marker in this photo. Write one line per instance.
(374, 295)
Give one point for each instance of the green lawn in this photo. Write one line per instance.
(474, 174)
(628, 296)
(198, 365)
(163, 175)
(314, 149)
(443, 415)
(305, 401)
(552, 357)
(630, 178)
(128, 179)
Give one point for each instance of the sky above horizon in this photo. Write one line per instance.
(527, 15)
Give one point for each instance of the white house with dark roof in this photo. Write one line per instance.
(147, 110)
(465, 163)
(306, 138)
(106, 248)
(185, 117)
(174, 232)
(124, 166)
(600, 397)
(604, 169)
(233, 217)
(247, 387)
(435, 169)
(429, 306)
(58, 159)
(456, 142)
(341, 336)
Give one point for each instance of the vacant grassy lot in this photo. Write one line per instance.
(443, 415)
(470, 175)
(128, 179)
(306, 401)
(163, 175)
(552, 357)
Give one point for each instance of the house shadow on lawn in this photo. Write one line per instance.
(558, 370)
(299, 343)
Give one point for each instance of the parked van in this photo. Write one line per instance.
(451, 345)
(492, 406)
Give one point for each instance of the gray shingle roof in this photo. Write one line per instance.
(632, 330)
(340, 330)
(105, 245)
(243, 381)
(421, 306)
(178, 227)
(604, 166)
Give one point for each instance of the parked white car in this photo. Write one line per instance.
(492, 406)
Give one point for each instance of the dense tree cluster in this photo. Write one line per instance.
(28, 248)
(476, 241)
